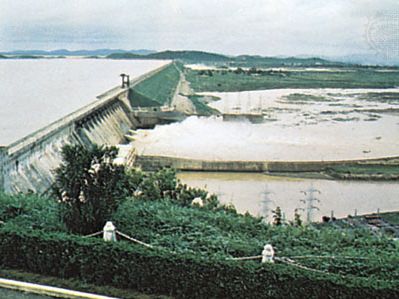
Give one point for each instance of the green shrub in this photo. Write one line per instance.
(30, 212)
(89, 186)
(182, 275)
(225, 234)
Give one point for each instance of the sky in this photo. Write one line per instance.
(263, 27)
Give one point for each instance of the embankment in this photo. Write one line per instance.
(28, 164)
(155, 162)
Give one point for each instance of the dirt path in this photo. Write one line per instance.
(180, 101)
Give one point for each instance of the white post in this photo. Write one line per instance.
(109, 234)
(268, 254)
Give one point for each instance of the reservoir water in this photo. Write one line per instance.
(36, 92)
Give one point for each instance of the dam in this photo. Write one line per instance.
(27, 163)
(226, 154)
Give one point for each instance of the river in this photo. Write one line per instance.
(248, 192)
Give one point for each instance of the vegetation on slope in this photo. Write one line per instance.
(189, 56)
(201, 107)
(159, 88)
(192, 246)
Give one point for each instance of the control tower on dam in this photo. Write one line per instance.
(27, 164)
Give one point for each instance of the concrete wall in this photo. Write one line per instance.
(151, 163)
(28, 164)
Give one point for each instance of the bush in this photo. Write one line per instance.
(225, 234)
(163, 184)
(89, 186)
(185, 276)
(30, 212)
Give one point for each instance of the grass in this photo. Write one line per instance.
(371, 169)
(202, 108)
(228, 80)
(158, 89)
(391, 217)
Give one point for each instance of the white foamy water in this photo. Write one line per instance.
(36, 92)
(246, 192)
(340, 126)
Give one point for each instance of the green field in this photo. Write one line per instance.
(367, 171)
(255, 79)
(158, 89)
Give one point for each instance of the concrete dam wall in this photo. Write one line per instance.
(28, 164)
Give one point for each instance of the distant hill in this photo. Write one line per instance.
(126, 56)
(64, 52)
(193, 56)
(189, 55)
(237, 61)
(26, 57)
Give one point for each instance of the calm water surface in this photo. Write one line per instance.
(246, 191)
(36, 92)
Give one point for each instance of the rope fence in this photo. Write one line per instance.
(93, 234)
(134, 240)
(267, 255)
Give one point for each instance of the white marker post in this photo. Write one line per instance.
(268, 254)
(109, 234)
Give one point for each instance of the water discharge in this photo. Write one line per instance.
(301, 125)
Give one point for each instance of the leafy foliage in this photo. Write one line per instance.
(163, 185)
(182, 275)
(227, 234)
(89, 186)
(30, 212)
(193, 247)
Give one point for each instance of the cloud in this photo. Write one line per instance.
(267, 27)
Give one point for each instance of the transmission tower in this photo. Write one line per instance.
(265, 204)
(310, 202)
